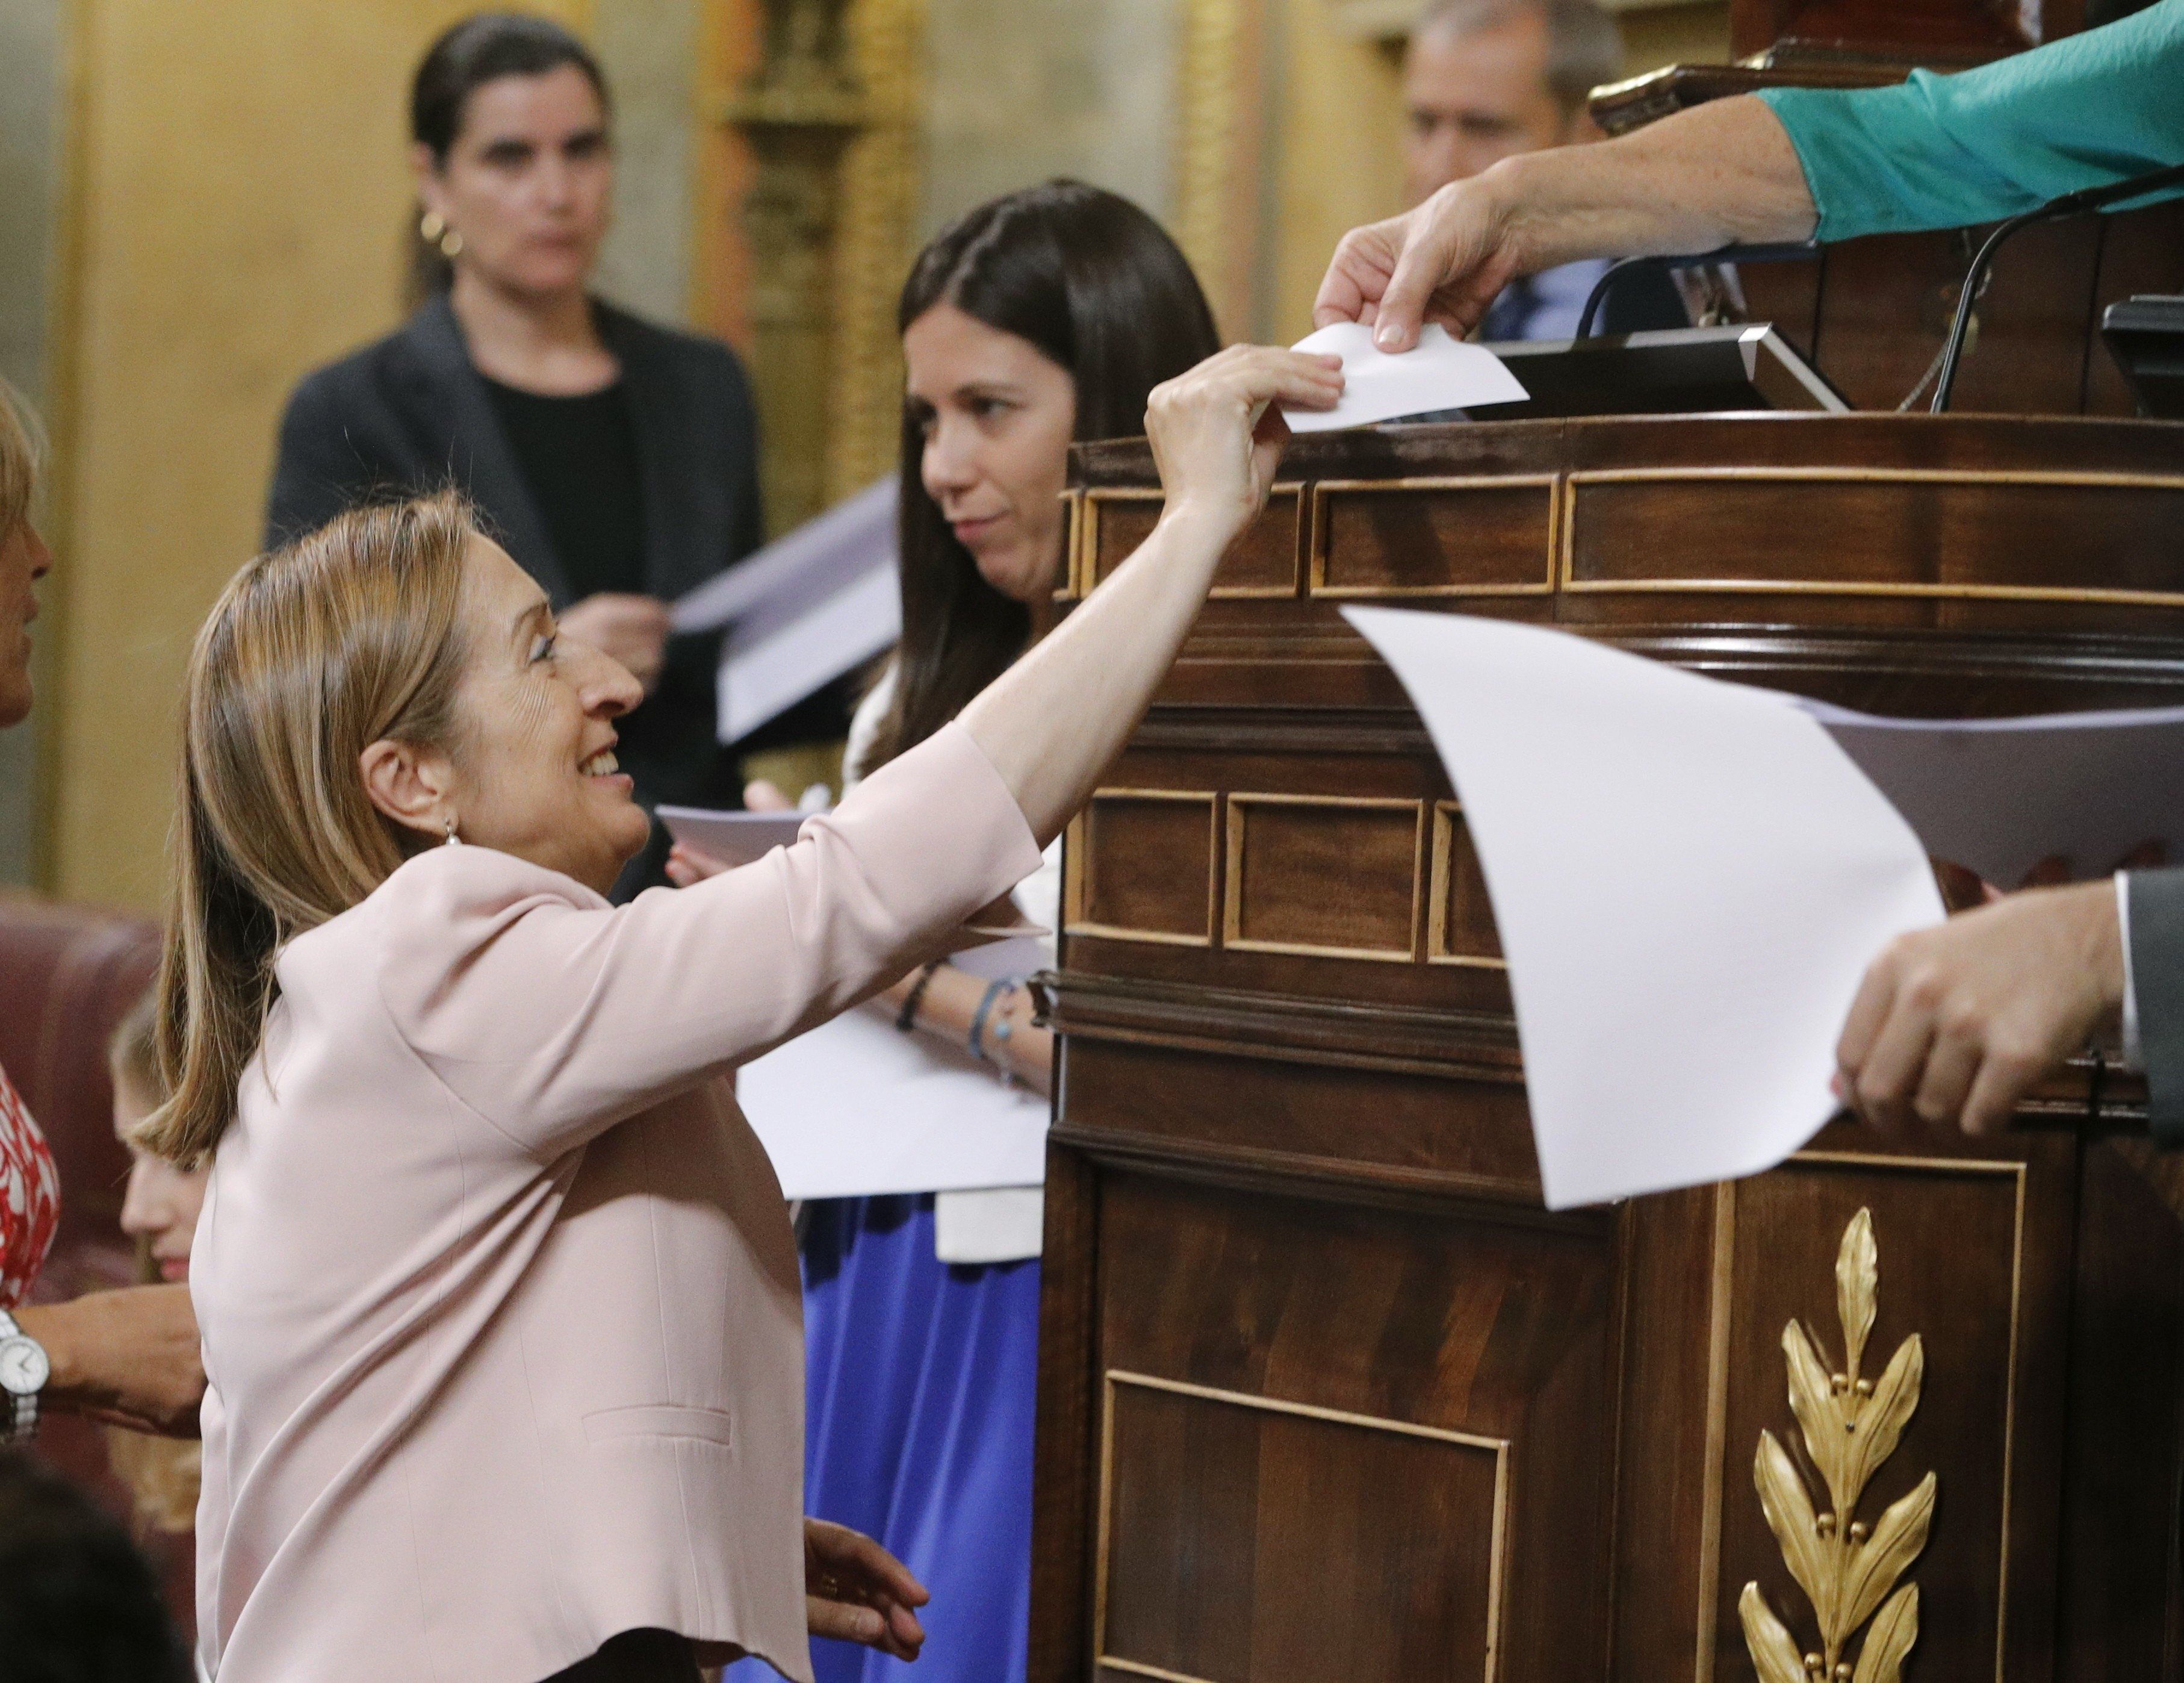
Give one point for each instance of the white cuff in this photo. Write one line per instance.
(2132, 1057)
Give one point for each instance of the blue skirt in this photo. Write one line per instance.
(921, 1382)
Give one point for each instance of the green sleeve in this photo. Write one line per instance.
(1942, 152)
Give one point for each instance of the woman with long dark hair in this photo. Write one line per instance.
(1044, 317)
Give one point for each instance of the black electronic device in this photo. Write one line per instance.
(2145, 335)
(1679, 370)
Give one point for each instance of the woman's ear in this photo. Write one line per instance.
(424, 170)
(409, 785)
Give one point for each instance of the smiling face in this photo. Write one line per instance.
(160, 1210)
(24, 560)
(531, 770)
(997, 418)
(528, 183)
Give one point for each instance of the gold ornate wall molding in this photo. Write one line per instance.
(1217, 189)
(831, 118)
(876, 240)
(1851, 1424)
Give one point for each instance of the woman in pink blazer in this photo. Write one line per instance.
(498, 1296)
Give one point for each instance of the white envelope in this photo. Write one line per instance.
(1440, 372)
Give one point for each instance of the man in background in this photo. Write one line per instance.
(1484, 80)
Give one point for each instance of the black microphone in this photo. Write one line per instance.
(1728, 254)
(2071, 204)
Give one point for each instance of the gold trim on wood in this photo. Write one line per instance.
(875, 238)
(1566, 567)
(1135, 1669)
(1215, 72)
(1075, 895)
(1087, 561)
(1071, 588)
(1722, 1283)
(1498, 1526)
(1232, 902)
(1316, 582)
(1851, 1424)
(1444, 814)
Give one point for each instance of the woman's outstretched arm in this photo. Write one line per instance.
(1052, 722)
(1717, 173)
(554, 1017)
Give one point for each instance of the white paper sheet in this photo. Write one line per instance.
(799, 566)
(811, 605)
(1440, 372)
(731, 837)
(2002, 795)
(1690, 879)
(854, 1109)
(768, 666)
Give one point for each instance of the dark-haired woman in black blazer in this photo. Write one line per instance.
(617, 460)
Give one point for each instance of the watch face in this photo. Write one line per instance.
(24, 1368)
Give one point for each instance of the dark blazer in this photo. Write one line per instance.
(411, 413)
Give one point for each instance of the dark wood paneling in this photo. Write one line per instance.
(1971, 534)
(1146, 865)
(1468, 538)
(1459, 1138)
(1286, 852)
(1064, 1503)
(2122, 1592)
(1399, 1318)
(1983, 28)
(1299, 1576)
(1461, 925)
(1261, 563)
(1307, 1178)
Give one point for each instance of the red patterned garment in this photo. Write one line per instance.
(30, 1198)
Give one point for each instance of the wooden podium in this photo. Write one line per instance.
(1325, 1393)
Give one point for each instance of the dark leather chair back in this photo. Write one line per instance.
(69, 974)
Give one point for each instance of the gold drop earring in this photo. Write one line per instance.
(434, 228)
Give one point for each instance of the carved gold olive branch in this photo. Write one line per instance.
(1851, 1424)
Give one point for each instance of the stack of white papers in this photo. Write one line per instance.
(1690, 878)
(807, 608)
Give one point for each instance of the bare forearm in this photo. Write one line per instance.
(130, 1357)
(1719, 174)
(1052, 722)
(950, 1004)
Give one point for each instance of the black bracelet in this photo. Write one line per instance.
(907, 1019)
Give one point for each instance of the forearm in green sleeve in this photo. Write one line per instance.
(1943, 152)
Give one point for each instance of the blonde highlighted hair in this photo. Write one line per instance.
(22, 448)
(313, 652)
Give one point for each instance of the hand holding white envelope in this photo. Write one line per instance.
(1440, 373)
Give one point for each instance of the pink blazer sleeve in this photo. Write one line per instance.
(554, 1016)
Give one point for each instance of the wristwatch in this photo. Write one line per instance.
(23, 1371)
